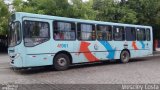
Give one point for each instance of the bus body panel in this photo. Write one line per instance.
(17, 56)
(42, 54)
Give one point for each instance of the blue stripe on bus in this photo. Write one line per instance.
(108, 48)
(143, 45)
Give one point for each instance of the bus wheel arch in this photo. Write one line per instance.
(62, 56)
(125, 56)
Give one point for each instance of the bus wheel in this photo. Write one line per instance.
(124, 58)
(61, 62)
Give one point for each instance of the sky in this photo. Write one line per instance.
(8, 1)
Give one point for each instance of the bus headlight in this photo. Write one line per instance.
(17, 55)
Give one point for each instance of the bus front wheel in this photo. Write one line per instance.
(124, 57)
(61, 62)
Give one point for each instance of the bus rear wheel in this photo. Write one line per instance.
(124, 57)
(61, 62)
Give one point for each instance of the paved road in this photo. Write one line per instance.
(137, 71)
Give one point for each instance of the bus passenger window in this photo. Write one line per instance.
(118, 33)
(130, 33)
(64, 30)
(35, 32)
(44, 30)
(141, 34)
(86, 32)
(56, 35)
(148, 37)
(104, 32)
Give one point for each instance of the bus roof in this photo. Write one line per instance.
(31, 15)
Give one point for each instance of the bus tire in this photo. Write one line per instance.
(61, 62)
(125, 56)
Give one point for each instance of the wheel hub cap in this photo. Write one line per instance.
(62, 61)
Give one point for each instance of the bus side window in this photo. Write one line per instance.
(148, 37)
(104, 32)
(118, 33)
(35, 32)
(130, 33)
(141, 34)
(86, 31)
(64, 30)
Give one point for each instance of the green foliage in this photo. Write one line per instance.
(132, 11)
(148, 13)
(4, 14)
(49, 7)
(77, 9)
(108, 10)
(83, 10)
(145, 12)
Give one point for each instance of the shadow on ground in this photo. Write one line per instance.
(76, 66)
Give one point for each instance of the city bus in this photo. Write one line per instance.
(43, 40)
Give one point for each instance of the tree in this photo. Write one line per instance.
(145, 12)
(109, 10)
(4, 14)
(148, 13)
(82, 10)
(30, 6)
(75, 9)
(48, 7)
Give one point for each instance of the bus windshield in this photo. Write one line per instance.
(14, 37)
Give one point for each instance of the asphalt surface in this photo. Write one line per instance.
(137, 71)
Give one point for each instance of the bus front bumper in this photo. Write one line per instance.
(16, 61)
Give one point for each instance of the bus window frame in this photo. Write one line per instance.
(149, 34)
(79, 23)
(122, 33)
(144, 33)
(49, 35)
(71, 27)
(126, 33)
(21, 34)
(104, 25)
